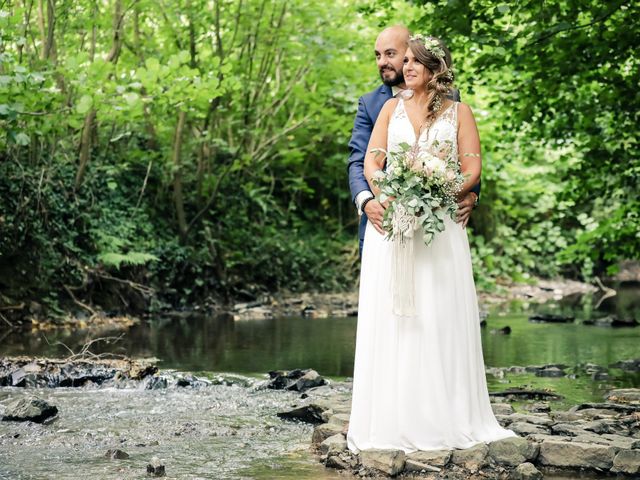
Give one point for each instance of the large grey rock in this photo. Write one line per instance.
(324, 431)
(501, 408)
(340, 419)
(627, 461)
(566, 416)
(390, 462)
(297, 379)
(31, 409)
(524, 428)
(525, 471)
(576, 455)
(473, 458)
(570, 429)
(592, 413)
(538, 407)
(534, 419)
(334, 444)
(334, 461)
(624, 395)
(604, 426)
(415, 466)
(541, 437)
(436, 458)
(311, 413)
(513, 451)
(621, 441)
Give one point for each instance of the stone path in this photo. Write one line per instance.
(602, 438)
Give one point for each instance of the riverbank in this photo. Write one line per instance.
(34, 317)
(127, 412)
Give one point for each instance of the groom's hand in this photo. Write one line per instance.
(465, 206)
(375, 212)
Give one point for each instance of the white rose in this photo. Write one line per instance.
(434, 164)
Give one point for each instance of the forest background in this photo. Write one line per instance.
(198, 148)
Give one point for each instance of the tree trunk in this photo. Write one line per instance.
(178, 197)
(85, 146)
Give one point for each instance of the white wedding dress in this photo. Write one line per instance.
(419, 381)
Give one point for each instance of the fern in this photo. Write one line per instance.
(112, 259)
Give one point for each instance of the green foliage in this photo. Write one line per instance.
(200, 147)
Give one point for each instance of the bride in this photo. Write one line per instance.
(419, 381)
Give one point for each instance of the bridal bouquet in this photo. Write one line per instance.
(422, 186)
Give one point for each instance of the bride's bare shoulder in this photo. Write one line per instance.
(390, 104)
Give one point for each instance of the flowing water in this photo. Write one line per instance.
(231, 431)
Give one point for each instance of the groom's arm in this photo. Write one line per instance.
(362, 128)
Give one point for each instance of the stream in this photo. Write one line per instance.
(232, 431)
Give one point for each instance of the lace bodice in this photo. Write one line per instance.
(444, 129)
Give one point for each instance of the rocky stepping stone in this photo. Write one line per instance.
(31, 409)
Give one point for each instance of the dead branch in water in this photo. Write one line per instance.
(85, 352)
(608, 292)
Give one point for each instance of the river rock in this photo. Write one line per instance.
(340, 419)
(324, 431)
(538, 407)
(604, 426)
(534, 419)
(155, 383)
(622, 441)
(622, 408)
(390, 462)
(415, 466)
(335, 461)
(526, 471)
(576, 455)
(524, 428)
(569, 429)
(611, 321)
(436, 458)
(551, 318)
(155, 468)
(526, 394)
(311, 413)
(32, 409)
(624, 395)
(115, 454)
(502, 409)
(473, 458)
(631, 365)
(627, 461)
(297, 379)
(565, 416)
(513, 451)
(552, 372)
(334, 443)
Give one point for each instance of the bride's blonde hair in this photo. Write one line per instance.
(434, 55)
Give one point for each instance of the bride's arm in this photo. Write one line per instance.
(468, 149)
(375, 161)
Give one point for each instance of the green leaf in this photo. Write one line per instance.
(84, 104)
(22, 139)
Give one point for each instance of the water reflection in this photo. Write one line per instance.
(201, 343)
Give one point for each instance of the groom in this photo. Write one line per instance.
(390, 48)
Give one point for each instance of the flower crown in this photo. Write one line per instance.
(431, 44)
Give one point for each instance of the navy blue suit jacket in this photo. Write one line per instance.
(369, 107)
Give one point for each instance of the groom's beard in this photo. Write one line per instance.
(390, 76)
